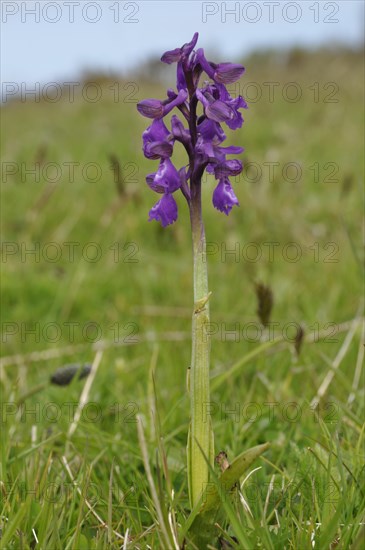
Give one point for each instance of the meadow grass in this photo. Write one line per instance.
(113, 474)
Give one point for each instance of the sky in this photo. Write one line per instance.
(48, 41)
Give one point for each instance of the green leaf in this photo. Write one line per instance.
(231, 476)
(200, 527)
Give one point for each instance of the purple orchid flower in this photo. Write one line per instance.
(180, 54)
(236, 120)
(164, 211)
(154, 108)
(219, 106)
(223, 197)
(166, 180)
(201, 137)
(223, 73)
(156, 142)
(210, 136)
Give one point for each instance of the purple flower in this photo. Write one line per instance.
(164, 211)
(210, 135)
(228, 168)
(201, 136)
(208, 145)
(235, 121)
(219, 111)
(224, 108)
(214, 108)
(223, 196)
(151, 108)
(180, 54)
(223, 73)
(166, 180)
(227, 73)
(155, 141)
(211, 131)
(154, 108)
(184, 63)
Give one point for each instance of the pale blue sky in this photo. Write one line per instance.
(125, 33)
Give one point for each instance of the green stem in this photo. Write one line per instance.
(200, 445)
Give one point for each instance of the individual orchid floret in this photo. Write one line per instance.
(164, 211)
(221, 107)
(184, 61)
(223, 196)
(211, 131)
(208, 149)
(154, 108)
(235, 121)
(228, 168)
(156, 143)
(223, 73)
(180, 54)
(166, 180)
(214, 109)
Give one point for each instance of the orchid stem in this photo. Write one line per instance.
(200, 444)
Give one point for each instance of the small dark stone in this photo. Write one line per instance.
(64, 375)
